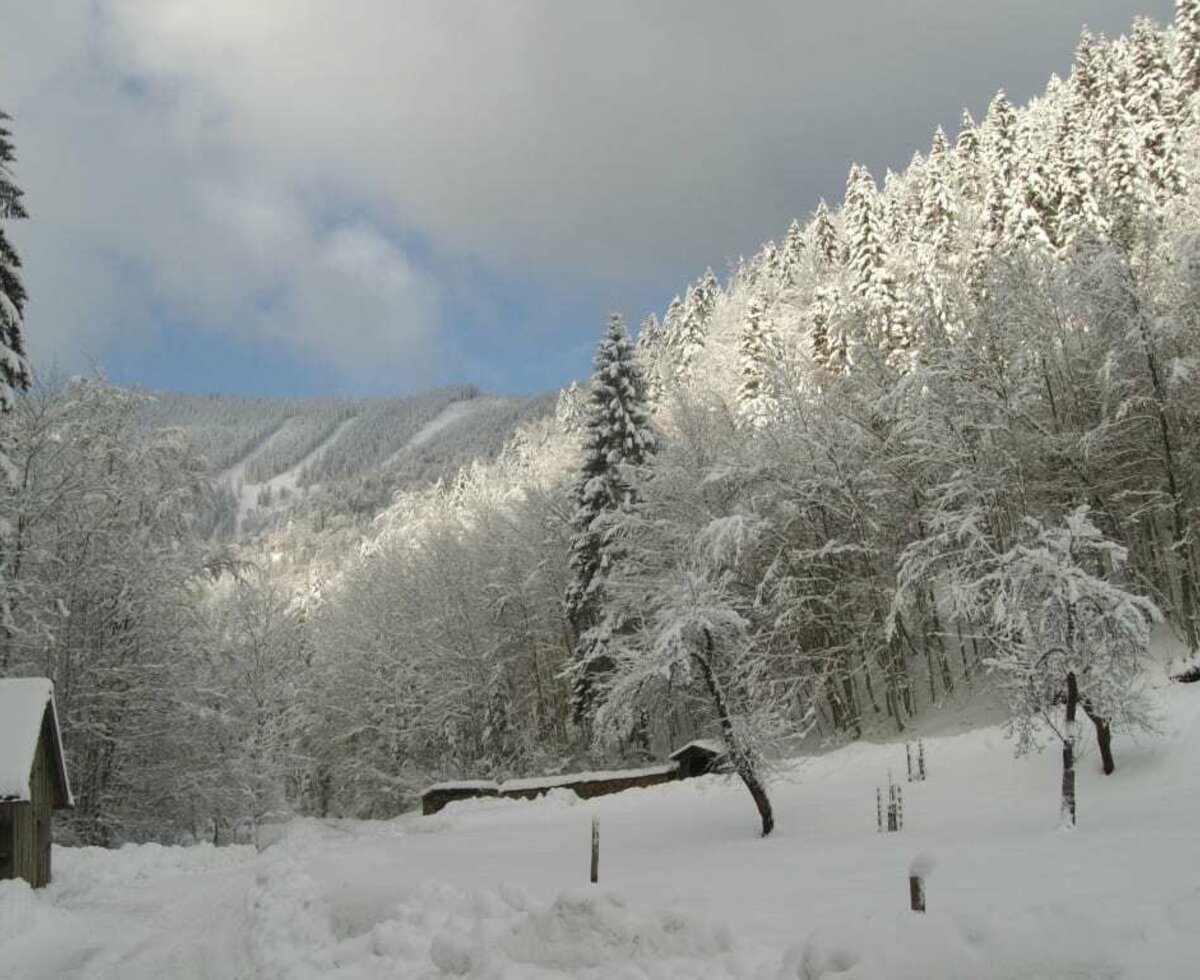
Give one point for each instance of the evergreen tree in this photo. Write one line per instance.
(698, 306)
(648, 336)
(617, 435)
(1078, 210)
(825, 236)
(14, 371)
(1000, 128)
(1187, 31)
(1153, 103)
(873, 282)
(650, 348)
(1126, 189)
(758, 348)
(793, 252)
(1085, 71)
(968, 160)
(938, 206)
(827, 351)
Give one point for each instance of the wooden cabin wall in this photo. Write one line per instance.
(6, 840)
(31, 822)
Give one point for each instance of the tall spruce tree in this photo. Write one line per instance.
(14, 371)
(618, 434)
(825, 236)
(873, 282)
(1187, 30)
(939, 209)
(759, 352)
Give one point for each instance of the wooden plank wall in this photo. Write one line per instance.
(31, 821)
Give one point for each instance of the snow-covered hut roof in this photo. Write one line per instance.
(577, 778)
(712, 746)
(26, 703)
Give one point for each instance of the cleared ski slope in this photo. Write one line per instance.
(492, 889)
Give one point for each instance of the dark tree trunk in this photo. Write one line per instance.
(742, 763)
(1068, 774)
(1103, 737)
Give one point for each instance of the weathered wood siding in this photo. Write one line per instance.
(433, 800)
(587, 788)
(31, 821)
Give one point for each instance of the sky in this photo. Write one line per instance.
(372, 197)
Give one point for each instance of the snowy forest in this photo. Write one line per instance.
(942, 434)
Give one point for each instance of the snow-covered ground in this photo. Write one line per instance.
(498, 889)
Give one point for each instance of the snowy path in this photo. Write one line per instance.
(497, 889)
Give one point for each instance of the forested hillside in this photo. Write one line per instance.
(273, 459)
(939, 435)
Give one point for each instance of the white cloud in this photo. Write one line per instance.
(199, 150)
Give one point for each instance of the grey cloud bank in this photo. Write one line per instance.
(204, 158)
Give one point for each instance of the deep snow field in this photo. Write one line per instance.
(498, 889)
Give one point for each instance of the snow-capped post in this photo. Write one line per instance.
(921, 758)
(908, 760)
(921, 867)
(878, 810)
(595, 850)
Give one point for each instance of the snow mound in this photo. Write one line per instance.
(439, 931)
(78, 869)
(579, 932)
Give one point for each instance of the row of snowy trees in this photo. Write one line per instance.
(946, 430)
(943, 431)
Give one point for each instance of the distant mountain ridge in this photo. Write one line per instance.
(275, 458)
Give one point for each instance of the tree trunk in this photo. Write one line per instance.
(1103, 737)
(1068, 774)
(742, 763)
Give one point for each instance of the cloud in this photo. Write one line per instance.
(273, 166)
(144, 210)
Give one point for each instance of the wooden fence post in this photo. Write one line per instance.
(595, 849)
(916, 893)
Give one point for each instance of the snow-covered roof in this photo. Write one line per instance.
(24, 702)
(572, 778)
(713, 745)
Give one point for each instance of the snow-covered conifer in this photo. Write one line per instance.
(793, 251)
(14, 371)
(1187, 39)
(1154, 105)
(825, 236)
(618, 434)
(698, 306)
(873, 282)
(759, 351)
(939, 209)
(968, 160)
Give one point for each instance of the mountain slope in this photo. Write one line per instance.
(272, 457)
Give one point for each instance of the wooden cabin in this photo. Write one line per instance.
(700, 757)
(33, 777)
